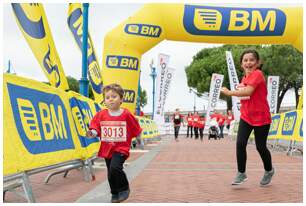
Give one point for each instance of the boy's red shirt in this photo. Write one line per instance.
(133, 129)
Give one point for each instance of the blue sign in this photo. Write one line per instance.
(143, 30)
(41, 120)
(122, 62)
(289, 123)
(82, 115)
(221, 21)
(274, 125)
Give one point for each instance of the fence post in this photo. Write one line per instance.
(27, 188)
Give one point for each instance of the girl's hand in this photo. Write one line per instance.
(225, 91)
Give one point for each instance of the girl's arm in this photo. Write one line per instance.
(246, 91)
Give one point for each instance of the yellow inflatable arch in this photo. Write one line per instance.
(125, 44)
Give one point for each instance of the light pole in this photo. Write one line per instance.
(138, 96)
(194, 99)
(153, 75)
(84, 81)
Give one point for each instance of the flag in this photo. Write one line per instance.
(75, 23)
(33, 23)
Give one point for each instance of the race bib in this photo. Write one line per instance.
(176, 117)
(113, 131)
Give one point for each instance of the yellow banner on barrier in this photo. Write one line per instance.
(300, 105)
(75, 23)
(38, 125)
(32, 21)
(287, 126)
(83, 109)
(47, 125)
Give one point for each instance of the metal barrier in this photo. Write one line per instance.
(11, 182)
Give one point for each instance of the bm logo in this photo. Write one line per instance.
(41, 120)
(129, 96)
(82, 115)
(206, 20)
(122, 62)
(274, 125)
(289, 123)
(143, 30)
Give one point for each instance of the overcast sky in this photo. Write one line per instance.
(102, 18)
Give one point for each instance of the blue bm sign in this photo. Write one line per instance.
(207, 20)
(41, 120)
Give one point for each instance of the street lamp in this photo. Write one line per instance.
(194, 99)
(138, 96)
(153, 75)
(84, 80)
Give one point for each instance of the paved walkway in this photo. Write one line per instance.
(184, 171)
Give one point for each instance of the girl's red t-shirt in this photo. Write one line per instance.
(124, 127)
(255, 110)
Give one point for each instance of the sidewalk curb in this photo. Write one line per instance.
(101, 193)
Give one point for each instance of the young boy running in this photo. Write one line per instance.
(115, 127)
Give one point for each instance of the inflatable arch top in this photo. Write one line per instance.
(125, 44)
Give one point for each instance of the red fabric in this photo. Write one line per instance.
(190, 121)
(201, 123)
(255, 110)
(216, 116)
(221, 120)
(133, 129)
(181, 118)
(196, 120)
(229, 118)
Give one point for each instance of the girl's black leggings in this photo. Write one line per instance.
(261, 135)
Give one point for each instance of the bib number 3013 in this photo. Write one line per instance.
(113, 131)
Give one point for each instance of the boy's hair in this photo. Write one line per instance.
(114, 87)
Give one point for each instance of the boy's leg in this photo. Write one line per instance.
(117, 175)
(110, 181)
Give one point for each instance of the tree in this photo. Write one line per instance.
(282, 60)
(143, 98)
(74, 85)
(287, 62)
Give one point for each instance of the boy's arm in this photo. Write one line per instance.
(94, 127)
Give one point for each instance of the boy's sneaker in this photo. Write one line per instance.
(240, 178)
(267, 177)
(115, 198)
(123, 195)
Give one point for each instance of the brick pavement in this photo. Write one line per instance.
(195, 171)
(187, 171)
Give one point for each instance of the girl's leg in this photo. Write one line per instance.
(244, 131)
(261, 136)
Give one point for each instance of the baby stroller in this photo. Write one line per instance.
(213, 131)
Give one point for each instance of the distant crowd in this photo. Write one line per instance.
(196, 123)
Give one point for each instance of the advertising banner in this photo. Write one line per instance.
(234, 82)
(273, 85)
(287, 126)
(38, 127)
(33, 23)
(214, 93)
(75, 23)
(83, 109)
(161, 70)
(168, 78)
